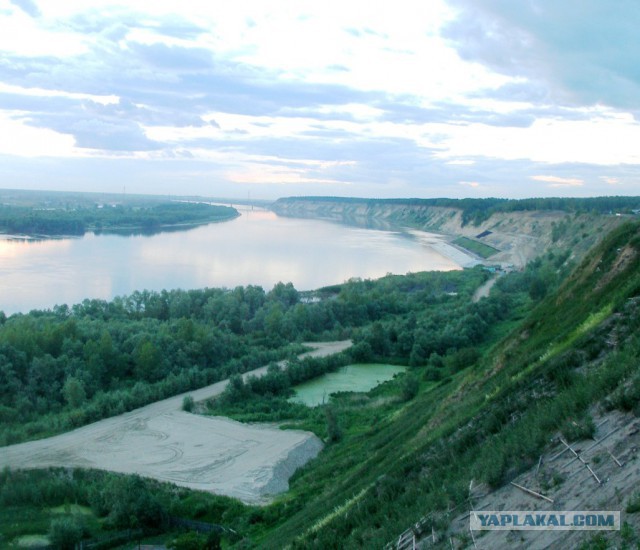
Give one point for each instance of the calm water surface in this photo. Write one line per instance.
(257, 248)
(359, 378)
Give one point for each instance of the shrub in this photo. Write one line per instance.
(575, 430)
(334, 432)
(65, 532)
(633, 506)
(188, 403)
(410, 387)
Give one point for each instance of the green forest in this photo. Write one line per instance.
(78, 219)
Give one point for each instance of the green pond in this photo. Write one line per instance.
(358, 378)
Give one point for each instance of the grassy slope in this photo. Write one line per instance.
(488, 423)
(481, 249)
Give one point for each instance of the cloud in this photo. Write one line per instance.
(556, 181)
(610, 180)
(28, 6)
(328, 97)
(582, 51)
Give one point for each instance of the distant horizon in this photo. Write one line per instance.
(301, 196)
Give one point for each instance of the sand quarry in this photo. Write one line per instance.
(248, 462)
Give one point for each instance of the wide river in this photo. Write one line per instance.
(258, 248)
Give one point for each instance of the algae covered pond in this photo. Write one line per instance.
(358, 378)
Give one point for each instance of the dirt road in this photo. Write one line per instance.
(484, 289)
(249, 462)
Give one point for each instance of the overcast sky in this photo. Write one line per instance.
(402, 98)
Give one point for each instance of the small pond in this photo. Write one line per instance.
(358, 378)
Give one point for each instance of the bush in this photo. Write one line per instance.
(432, 374)
(188, 403)
(410, 387)
(334, 432)
(65, 532)
(633, 506)
(575, 430)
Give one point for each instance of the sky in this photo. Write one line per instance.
(264, 98)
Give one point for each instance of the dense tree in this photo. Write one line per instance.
(73, 392)
(65, 533)
(78, 220)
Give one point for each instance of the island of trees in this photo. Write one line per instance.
(111, 217)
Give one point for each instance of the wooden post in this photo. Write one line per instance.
(472, 537)
(596, 443)
(615, 459)
(581, 460)
(531, 492)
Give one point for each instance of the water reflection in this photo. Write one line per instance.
(256, 248)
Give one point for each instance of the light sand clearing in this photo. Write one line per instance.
(249, 462)
(439, 243)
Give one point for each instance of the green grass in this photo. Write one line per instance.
(481, 249)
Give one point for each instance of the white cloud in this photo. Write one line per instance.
(610, 180)
(24, 35)
(19, 139)
(280, 175)
(556, 181)
(608, 138)
(41, 92)
(300, 92)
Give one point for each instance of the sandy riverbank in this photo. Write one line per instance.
(248, 462)
(439, 243)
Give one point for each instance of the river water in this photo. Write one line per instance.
(258, 248)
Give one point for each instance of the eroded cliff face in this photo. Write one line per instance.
(519, 236)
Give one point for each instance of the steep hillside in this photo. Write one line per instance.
(569, 368)
(517, 235)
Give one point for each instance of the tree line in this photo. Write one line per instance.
(476, 211)
(78, 220)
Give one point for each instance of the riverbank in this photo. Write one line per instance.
(441, 244)
(519, 233)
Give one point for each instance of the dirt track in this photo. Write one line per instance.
(249, 462)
